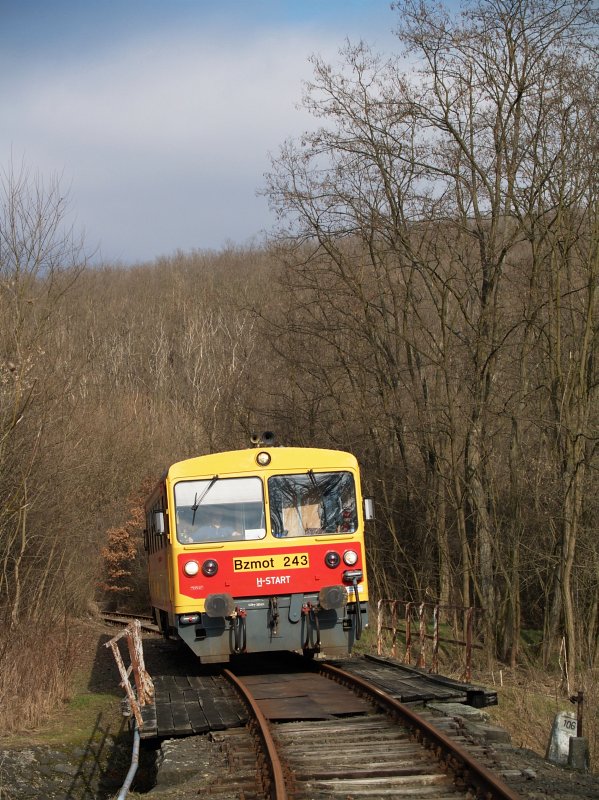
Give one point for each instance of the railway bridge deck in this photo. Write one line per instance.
(186, 704)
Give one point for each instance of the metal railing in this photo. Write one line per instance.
(420, 625)
(143, 682)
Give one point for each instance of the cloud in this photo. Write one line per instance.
(168, 93)
(163, 138)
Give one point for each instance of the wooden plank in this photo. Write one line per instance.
(406, 686)
(226, 691)
(285, 678)
(148, 716)
(232, 714)
(201, 682)
(342, 706)
(264, 690)
(294, 708)
(166, 682)
(161, 694)
(196, 715)
(181, 723)
(212, 715)
(164, 719)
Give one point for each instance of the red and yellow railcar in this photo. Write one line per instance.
(259, 550)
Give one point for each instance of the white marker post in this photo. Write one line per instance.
(565, 748)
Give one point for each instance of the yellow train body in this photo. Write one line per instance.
(259, 549)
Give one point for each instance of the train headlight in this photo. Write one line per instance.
(263, 459)
(350, 557)
(191, 568)
(210, 568)
(332, 559)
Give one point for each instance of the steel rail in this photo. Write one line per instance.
(474, 773)
(277, 788)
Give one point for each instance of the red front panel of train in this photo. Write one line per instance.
(243, 573)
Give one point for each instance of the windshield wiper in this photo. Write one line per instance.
(314, 483)
(196, 502)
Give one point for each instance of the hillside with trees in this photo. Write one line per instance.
(429, 300)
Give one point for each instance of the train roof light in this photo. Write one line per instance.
(263, 458)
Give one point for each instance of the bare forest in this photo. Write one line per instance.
(429, 300)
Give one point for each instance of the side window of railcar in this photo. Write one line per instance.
(155, 540)
(312, 503)
(151, 536)
(219, 509)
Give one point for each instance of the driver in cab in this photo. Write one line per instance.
(216, 528)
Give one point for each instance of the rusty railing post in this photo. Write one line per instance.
(578, 700)
(379, 628)
(469, 621)
(143, 681)
(408, 648)
(388, 621)
(435, 661)
(393, 628)
(421, 635)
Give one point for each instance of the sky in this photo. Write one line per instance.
(159, 116)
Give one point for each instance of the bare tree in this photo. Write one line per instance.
(39, 261)
(407, 216)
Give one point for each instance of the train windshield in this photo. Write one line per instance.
(219, 510)
(312, 503)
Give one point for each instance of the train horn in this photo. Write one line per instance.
(266, 439)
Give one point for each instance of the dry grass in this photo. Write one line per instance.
(529, 699)
(528, 702)
(35, 674)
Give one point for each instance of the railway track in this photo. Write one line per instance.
(319, 731)
(390, 751)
